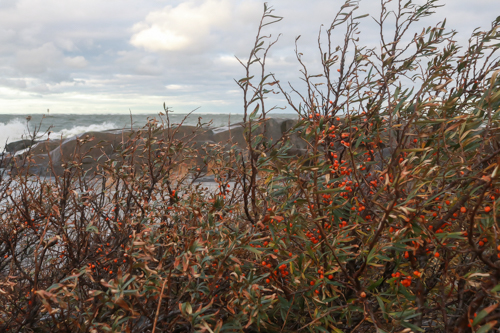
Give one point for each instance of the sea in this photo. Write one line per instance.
(14, 127)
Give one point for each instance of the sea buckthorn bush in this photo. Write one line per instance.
(387, 222)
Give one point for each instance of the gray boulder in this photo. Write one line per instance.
(19, 145)
(92, 149)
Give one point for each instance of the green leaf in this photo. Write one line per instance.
(496, 288)
(375, 284)
(361, 16)
(253, 115)
(186, 308)
(413, 327)
(382, 307)
(408, 296)
(483, 313)
(245, 79)
(416, 150)
(128, 282)
(488, 326)
(92, 228)
(361, 137)
(252, 249)
(455, 235)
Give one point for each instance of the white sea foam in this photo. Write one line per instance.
(15, 129)
(76, 130)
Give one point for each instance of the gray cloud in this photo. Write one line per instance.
(109, 56)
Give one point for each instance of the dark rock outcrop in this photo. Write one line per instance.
(92, 149)
(16, 146)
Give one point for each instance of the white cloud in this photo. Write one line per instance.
(76, 62)
(7, 35)
(121, 54)
(175, 87)
(190, 25)
(156, 38)
(38, 60)
(14, 83)
(66, 44)
(230, 60)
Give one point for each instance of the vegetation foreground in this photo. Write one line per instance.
(388, 222)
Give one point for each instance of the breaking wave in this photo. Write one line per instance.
(17, 129)
(67, 133)
(14, 130)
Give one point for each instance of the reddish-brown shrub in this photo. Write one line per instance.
(388, 221)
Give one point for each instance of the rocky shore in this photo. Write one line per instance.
(50, 157)
(93, 149)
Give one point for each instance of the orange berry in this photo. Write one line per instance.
(436, 254)
(363, 294)
(487, 209)
(463, 209)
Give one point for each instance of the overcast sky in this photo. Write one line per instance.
(110, 56)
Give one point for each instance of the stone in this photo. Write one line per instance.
(92, 149)
(16, 146)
